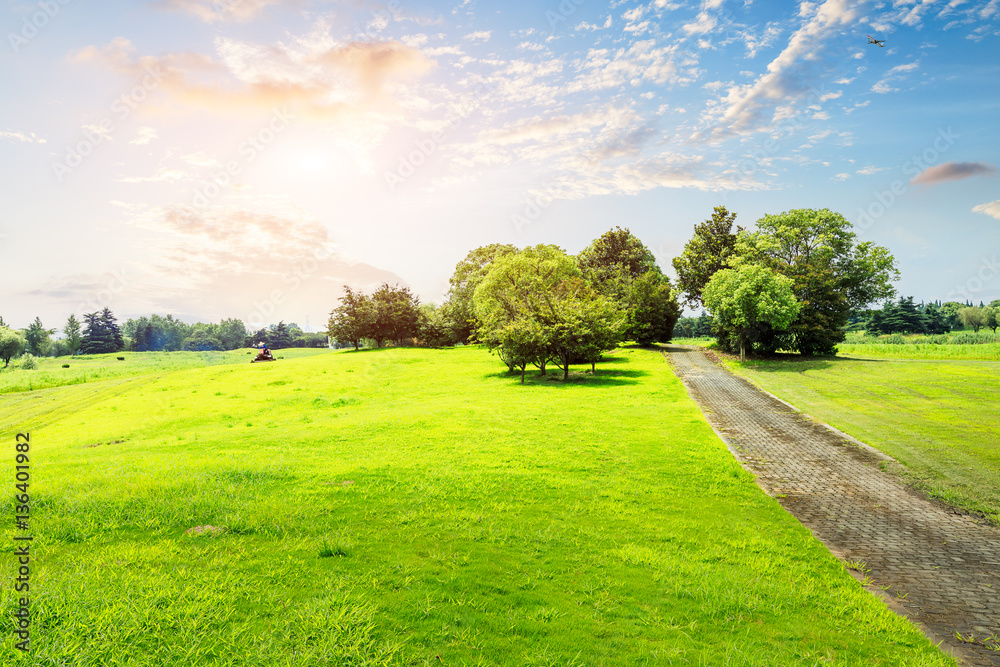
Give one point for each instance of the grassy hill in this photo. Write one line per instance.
(416, 507)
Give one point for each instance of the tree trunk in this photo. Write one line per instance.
(743, 355)
(566, 369)
(522, 373)
(592, 368)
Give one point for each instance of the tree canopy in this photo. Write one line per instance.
(831, 273)
(749, 296)
(710, 249)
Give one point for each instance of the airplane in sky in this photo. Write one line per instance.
(872, 40)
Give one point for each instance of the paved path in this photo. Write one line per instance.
(947, 565)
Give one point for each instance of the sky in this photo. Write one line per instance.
(247, 158)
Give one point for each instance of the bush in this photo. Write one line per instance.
(894, 339)
(29, 362)
(65, 365)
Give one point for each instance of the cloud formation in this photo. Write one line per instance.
(213, 11)
(991, 209)
(753, 107)
(952, 171)
(321, 79)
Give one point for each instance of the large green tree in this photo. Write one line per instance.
(614, 260)
(37, 338)
(832, 274)
(350, 321)
(102, 333)
(395, 314)
(534, 307)
(460, 308)
(748, 297)
(11, 344)
(710, 249)
(622, 269)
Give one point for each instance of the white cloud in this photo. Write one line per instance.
(31, 138)
(479, 36)
(755, 107)
(991, 209)
(144, 135)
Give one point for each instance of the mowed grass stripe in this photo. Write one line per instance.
(937, 417)
(405, 507)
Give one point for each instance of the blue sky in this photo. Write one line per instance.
(246, 158)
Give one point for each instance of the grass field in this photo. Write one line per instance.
(936, 416)
(416, 507)
(89, 368)
(988, 351)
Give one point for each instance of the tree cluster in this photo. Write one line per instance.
(830, 275)
(390, 313)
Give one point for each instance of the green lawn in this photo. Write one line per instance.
(415, 507)
(987, 351)
(937, 417)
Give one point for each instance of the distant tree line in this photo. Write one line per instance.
(100, 333)
(536, 305)
(904, 316)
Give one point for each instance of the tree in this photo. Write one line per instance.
(102, 333)
(350, 321)
(652, 309)
(434, 329)
(394, 314)
(705, 325)
(73, 337)
(280, 336)
(614, 260)
(231, 333)
(534, 307)
(520, 342)
(990, 317)
(11, 344)
(741, 299)
(622, 269)
(709, 250)
(831, 273)
(37, 338)
(934, 320)
(520, 286)
(460, 307)
(201, 341)
(585, 324)
(973, 317)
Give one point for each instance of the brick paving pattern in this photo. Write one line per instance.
(946, 564)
